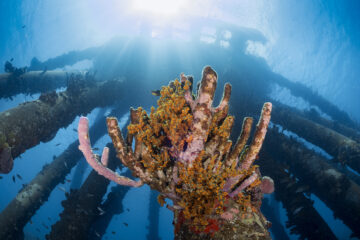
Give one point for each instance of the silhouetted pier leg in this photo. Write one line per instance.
(33, 82)
(21, 209)
(334, 188)
(38, 121)
(304, 220)
(81, 208)
(342, 148)
(154, 212)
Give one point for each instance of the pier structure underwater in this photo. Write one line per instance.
(185, 149)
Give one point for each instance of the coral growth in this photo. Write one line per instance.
(182, 149)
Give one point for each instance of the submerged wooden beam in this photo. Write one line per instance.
(33, 82)
(304, 220)
(82, 206)
(334, 188)
(22, 208)
(153, 217)
(38, 121)
(272, 211)
(66, 59)
(342, 148)
(300, 90)
(313, 115)
(111, 207)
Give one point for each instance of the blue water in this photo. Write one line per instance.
(313, 43)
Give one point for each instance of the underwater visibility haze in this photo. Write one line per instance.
(179, 119)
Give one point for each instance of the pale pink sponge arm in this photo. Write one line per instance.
(100, 167)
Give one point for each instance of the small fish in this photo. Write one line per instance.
(19, 176)
(126, 224)
(65, 164)
(12, 59)
(68, 180)
(97, 234)
(54, 157)
(31, 222)
(62, 189)
(177, 207)
(44, 71)
(302, 189)
(290, 184)
(155, 92)
(45, 226)
(128, 210)
(95, 149)
(296, 211)
(23, 26)
(57, 144)
(101, 211)
(1, 177)
(113, 232)
(74, 129)
(13, 178)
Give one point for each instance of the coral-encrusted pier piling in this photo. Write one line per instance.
(182, 149)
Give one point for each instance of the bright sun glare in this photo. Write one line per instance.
(159, 7)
